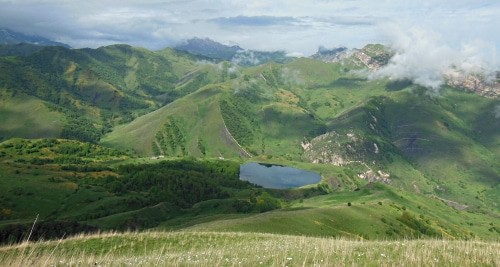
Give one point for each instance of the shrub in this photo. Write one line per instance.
(266, 202)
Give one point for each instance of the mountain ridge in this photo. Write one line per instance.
(216, 51)
(8, 36)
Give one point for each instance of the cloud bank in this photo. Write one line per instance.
(295, 26)
(255, 21)
(427, 59)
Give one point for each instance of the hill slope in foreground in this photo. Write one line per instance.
(247, 249)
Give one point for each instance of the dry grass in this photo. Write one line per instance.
(245, 249)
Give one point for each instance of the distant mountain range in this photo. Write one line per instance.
(20, 44)
(8, 36)
(209, 48)
(217, 51)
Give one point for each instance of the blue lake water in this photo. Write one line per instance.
(276, 176)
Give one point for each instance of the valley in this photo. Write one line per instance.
(122, 138)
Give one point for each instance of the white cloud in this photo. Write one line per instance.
(292, 25)
(426, 58)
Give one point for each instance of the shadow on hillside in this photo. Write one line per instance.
(398, 85)
(347, 82)
(305, 125)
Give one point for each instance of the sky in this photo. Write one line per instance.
(297, 26)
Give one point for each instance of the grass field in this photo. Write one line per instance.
(245, 249)
(379, 213)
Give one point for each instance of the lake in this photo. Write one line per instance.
(277, 176)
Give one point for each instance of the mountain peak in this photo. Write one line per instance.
(208, 41)
(330, 54)
(209, 48)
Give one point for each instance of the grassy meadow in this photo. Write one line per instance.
(245, 249)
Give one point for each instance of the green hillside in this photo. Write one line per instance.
(199, 129)
(372, 213)
(384, 131)
(96, 89)
(431, 150)
(257, 106)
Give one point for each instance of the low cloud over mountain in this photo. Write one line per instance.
(427, 58)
